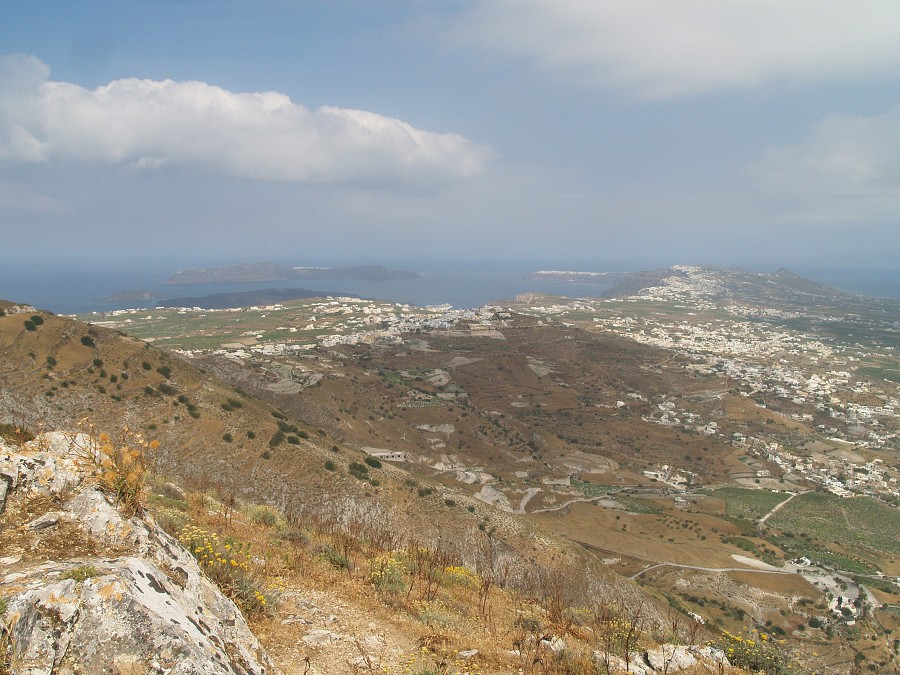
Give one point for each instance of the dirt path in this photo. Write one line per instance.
(529, 494)
(568, 503)
(778, 506)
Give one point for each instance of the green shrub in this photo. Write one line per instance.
(51, 362)
(165, 371)
(87, 341)
(37, 320)
(81, 573)
(331, 466)
(333, 557)
(263, 515)
(15, 434)
(358, 470)
(373, 462)
(227, 438)
(29, 325)
(276, 439)
(251, 435)
(146, 365)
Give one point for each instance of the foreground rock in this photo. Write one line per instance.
(86, 590)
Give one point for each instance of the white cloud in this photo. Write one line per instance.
(662, 48)
(146, 124)
(849, 165)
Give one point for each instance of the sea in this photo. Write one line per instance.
(80, 287)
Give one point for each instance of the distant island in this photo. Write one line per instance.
(132, 296)
(267, 296)
(267, 271)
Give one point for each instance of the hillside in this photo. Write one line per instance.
(650, 430)
(217, 439)
(522, 437)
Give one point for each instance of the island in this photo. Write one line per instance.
(268, 271)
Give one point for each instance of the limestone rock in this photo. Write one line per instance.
(670, 658)
(144, 607)
(711, 654)
(45, 521)
(617, 664)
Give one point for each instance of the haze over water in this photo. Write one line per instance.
(73, 289)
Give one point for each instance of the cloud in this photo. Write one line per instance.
(147, 124)
(664, 49)
(849, 166)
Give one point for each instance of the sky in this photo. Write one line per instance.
(586, 132)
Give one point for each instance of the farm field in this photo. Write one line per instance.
(748, 504)
(859, 523)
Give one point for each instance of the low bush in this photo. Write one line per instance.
(333, 557)
(757, 652)
(81, 573)
(118, 465)
(230, 566)
(263, 515)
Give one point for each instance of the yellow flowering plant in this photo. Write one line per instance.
(230, 565)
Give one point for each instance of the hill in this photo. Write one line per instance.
(219, 440)
(580, 436)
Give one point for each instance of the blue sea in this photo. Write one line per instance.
(74, 288)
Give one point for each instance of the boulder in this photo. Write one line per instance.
(617, 664)
(143, 605)
(669, 658)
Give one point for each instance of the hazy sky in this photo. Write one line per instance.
(721, 131)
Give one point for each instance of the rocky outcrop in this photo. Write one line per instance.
(84, 589)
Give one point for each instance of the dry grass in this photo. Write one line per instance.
(424, 602)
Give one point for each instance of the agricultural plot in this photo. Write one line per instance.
(748, 504)
(860, 522)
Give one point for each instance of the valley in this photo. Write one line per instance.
(729, 441)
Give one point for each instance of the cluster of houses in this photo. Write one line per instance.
(837, 475)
